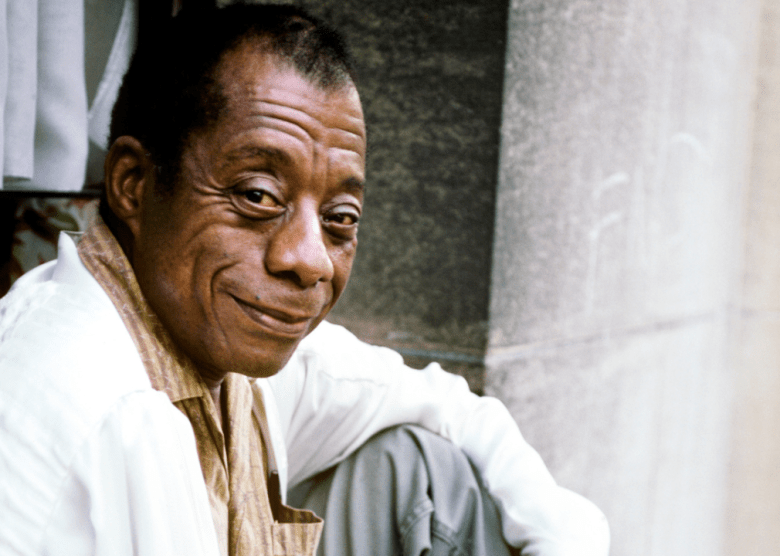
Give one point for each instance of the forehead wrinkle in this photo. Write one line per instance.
(347, 140)
(293, 115)
(258, 142)
(316, 124)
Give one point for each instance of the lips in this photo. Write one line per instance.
(284, 323)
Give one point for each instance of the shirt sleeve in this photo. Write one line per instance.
(135, 488)
(339, 392)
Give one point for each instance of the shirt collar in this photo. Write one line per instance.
(169, 369)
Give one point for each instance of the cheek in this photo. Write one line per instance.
(342, 265)
(174, 275)
(166, 283)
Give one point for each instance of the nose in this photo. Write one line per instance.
(297, 250)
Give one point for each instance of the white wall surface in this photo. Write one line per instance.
(617, 271)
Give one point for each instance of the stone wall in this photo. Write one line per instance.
(431, 77)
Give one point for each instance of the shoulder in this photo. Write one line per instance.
(61, 336)
(66, 361)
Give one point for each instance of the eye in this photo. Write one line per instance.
(253, 199)
(342, 221)
(343, 218)
(260, 197)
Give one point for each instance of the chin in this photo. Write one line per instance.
(262, 366)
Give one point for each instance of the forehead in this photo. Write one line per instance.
(262, 92)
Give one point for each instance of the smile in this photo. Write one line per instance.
(276, 322)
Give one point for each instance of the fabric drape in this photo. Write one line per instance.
(45, 121)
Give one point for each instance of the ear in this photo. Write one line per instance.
(129, 172)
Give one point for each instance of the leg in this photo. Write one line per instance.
(405, 492)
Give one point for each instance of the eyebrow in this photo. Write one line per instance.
(253, 151)
(281, 157)
(354, 185)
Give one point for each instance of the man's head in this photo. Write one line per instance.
(251, 242)
(170, 89)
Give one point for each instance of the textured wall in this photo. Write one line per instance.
(754, 505)
(617, 250)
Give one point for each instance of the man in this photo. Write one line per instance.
(167, 378)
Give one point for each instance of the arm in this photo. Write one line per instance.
(338, 392)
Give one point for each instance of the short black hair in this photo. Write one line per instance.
(171, 89)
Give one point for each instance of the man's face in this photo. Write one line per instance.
(256, 243)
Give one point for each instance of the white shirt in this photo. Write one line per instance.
(94, 461)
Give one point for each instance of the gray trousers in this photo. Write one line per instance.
(405, 492)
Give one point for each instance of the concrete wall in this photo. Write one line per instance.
(753, 518)
(625, 141)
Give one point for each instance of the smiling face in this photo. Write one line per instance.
(255, 244)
